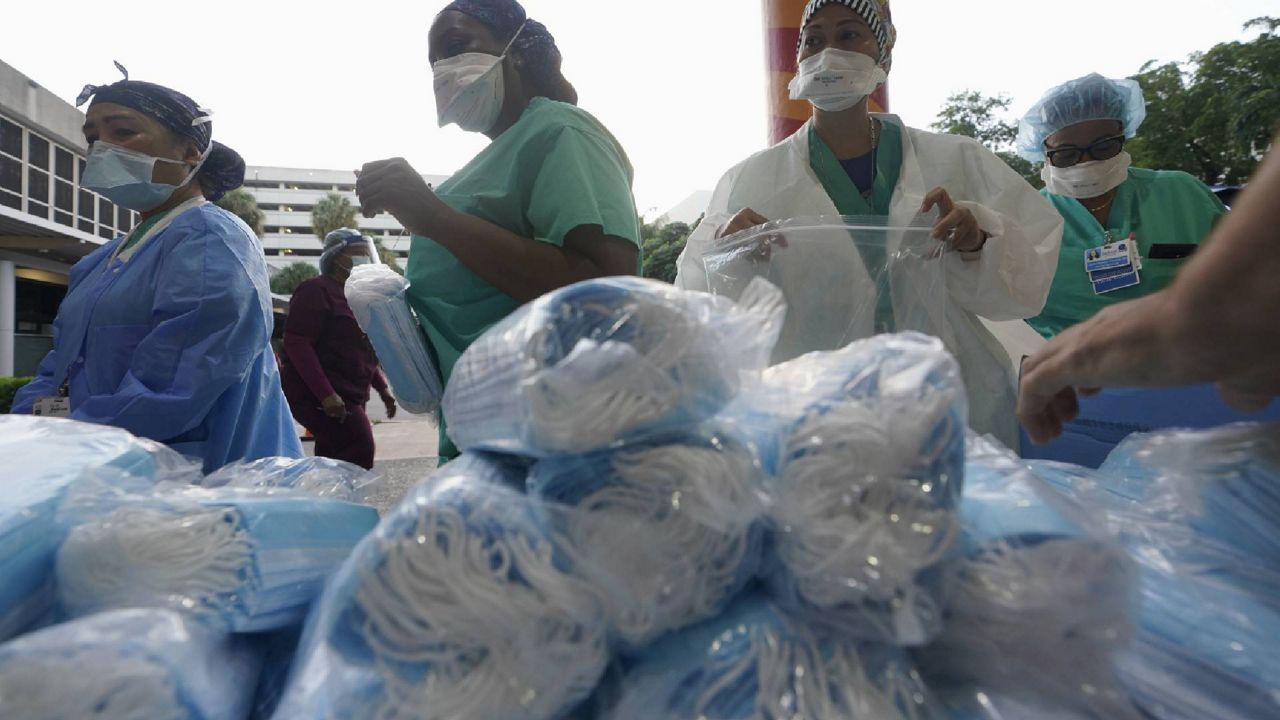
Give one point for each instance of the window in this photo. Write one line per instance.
(64, 218)
(106, 216)
(10, 138)
(64, 196)
(64, 164)
(85, 226)
(10, 200)
(105, 232)
(11, 174)
(39, 209)
(37, 185)
(86, 207)
(37, 151)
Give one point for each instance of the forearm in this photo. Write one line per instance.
(1226, 301)
(520, 267)
(302, 356)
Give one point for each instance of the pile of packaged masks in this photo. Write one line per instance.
(819, 539)
(378, 297)
(1197, 513)
(136, 592)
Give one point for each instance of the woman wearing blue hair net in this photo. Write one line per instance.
(547, 203)
(1079, 130)
(166, 331)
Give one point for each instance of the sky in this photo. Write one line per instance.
(680, 83)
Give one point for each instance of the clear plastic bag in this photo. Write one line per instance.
(378, 299)
(239, 559)
(606, 361)
(1042, 600)
(462, 604)
(755, 662)
(844, 278)
(41, 457)
(127, 665)
(668, 532)
(867, 448)
(318, 476)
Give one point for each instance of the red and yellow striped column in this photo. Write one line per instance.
(782, 36)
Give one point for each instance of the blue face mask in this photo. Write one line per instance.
(124, 176)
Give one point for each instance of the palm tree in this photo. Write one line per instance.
(240, 203)
(333, 211)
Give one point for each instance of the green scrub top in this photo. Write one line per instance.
(849, 201)
(556, 169)
(1156, 207)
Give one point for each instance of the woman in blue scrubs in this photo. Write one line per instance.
(166, 331)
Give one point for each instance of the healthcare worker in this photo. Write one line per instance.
(547, 203)
(846, 161)
(328, 364)
(166, 331)
(1078, 130)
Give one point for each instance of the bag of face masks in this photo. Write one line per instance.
(607, 361)
(668, 532)
(239, 559)
(377, 296)
(315, 476)
(126, 664)
(462, 604)
(1190, 509)
(865, 450)
(1042, 600)
(41, 457)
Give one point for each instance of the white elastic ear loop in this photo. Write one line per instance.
(150, 554)
(668, 545)
(444, 597)
(626, 398)
(873, 527)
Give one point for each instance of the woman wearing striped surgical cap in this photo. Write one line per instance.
(1001, 237)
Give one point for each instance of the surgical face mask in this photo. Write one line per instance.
(835, 80)
(1087, 179)
(124, 176)
(470, 88)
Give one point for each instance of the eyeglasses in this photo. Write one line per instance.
(1069, 155)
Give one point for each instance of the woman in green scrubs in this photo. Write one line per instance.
(548, 203)
(1079, 130)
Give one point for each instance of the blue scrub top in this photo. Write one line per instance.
(173, 344)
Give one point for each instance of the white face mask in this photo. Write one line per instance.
(835, 80)
(1087, 179)
(470, 88)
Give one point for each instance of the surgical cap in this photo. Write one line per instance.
(875, 13)
(504, 18)
(223, 169)
(336, 243)
(1091, 97)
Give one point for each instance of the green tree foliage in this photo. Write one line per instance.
(9, 386)
(290, 277)
(983, 118)
(240, 203)
(1215, 114)
(661, 245)
(388, 258)
(333, 211)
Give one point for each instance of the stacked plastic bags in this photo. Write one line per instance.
(1197, 511)
(153, 584)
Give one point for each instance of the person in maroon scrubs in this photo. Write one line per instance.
(328, 364)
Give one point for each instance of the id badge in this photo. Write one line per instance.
(1109, 257)
(52, 407)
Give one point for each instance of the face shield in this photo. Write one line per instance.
(347, 248)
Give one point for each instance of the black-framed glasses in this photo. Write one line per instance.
(1069, 155)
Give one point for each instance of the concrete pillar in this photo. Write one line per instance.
(8, 316)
